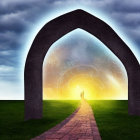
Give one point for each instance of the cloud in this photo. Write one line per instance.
(16, 2)
(11, 90)
(8, 73)
(6, 53)
(14, 22)
(5, 69)
(127, 6)
(8, 35)
(135, 33)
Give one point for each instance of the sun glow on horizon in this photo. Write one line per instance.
(93, 87)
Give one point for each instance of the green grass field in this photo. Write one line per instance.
(113, 120)
(111, 116)
(13, 126)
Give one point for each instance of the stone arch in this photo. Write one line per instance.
(57, 28)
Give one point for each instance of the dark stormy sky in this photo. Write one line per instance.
(20, 20)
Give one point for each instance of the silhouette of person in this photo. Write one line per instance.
(82, 95)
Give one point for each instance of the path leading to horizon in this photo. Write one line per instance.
(81, 125)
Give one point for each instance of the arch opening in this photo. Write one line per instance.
(79, 62)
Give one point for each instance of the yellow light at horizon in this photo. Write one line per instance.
(80, 83)
(93, 87)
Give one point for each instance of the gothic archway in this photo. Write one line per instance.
(57, 28)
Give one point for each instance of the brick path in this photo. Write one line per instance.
(81, 125)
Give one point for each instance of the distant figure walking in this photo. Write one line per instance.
(82, 95)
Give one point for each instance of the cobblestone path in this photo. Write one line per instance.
(81, 125)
